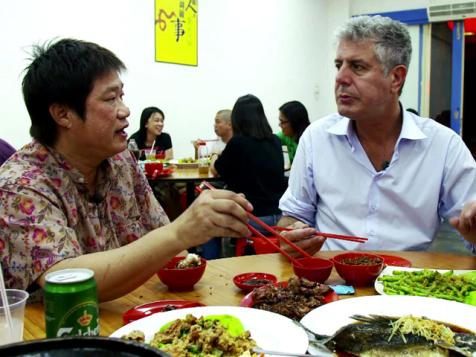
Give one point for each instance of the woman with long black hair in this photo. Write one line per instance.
(151, 132)
(252, 162)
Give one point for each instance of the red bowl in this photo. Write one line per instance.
(357, 274)
(248, 281)
(314, 269)
(181, 279)
(152, 167)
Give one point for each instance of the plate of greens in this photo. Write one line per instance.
(456, 285)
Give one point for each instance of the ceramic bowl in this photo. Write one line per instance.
(181, 279)
(314, 269)
(358, 268)
(248, 281)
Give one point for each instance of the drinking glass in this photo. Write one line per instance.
(16, 302)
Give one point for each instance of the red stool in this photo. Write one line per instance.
(240, 246)
(260, 245)
(263, 247)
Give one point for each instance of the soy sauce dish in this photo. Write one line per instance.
(248, 281)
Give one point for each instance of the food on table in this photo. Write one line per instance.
(294, 300)
(257, 282)
(362, 260)
(427, 282)
(187, 160)
(135, 335)
(376, 335)
(190, 261)
(214, 335)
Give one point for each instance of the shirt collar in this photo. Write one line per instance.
(410, 129)
(104, 174)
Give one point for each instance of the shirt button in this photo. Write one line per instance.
(371, 232)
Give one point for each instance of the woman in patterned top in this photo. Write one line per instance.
(74, 196)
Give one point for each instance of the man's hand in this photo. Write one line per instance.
(217, 213)
(466, 222)
(302, 235)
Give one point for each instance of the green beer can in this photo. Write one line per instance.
(71, 303)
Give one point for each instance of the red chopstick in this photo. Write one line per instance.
(330, 235)
(269, 229)
(276, 246)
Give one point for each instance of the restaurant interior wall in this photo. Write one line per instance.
(277, 50)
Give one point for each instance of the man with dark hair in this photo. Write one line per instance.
(374, 169)
(74, 197)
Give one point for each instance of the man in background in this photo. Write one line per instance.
(224, 133)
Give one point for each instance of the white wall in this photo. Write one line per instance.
(372, 6)
(279, 50)
(275, 49)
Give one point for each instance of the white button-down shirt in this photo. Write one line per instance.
(334, 187)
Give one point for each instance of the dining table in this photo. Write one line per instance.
(216, 288)
(190, 176)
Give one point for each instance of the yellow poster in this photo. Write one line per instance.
(176, 31)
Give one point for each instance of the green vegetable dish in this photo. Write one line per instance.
(447, 285)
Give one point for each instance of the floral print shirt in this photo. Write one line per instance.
(47, 213)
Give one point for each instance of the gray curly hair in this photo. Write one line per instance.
(391, 39)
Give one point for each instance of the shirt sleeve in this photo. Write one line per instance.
(300, 199)
(38, 237)
(459, 179)
(167, 142)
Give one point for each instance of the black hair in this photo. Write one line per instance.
(141, 135)
(248, 118)
(63, 72)
(296, 113)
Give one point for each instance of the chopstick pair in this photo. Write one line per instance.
(270, 230)
(330, 235)
(275, 233)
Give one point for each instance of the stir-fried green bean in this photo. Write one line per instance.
(426, 282)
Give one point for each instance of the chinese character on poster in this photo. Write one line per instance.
(176, 31)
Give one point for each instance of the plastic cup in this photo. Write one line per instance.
(150, 154)
(16, 301)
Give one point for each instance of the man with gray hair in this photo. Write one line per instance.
(374, 169)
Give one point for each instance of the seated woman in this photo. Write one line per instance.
(252, 161)
(150, 132)
(293, 120)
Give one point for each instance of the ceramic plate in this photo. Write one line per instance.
(327, 319)
(163, 173)
(378, 285)
(150, 308)
(270, 331)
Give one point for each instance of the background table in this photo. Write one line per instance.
(217, 288)
(191, 178)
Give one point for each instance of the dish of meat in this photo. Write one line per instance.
(293, 299)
